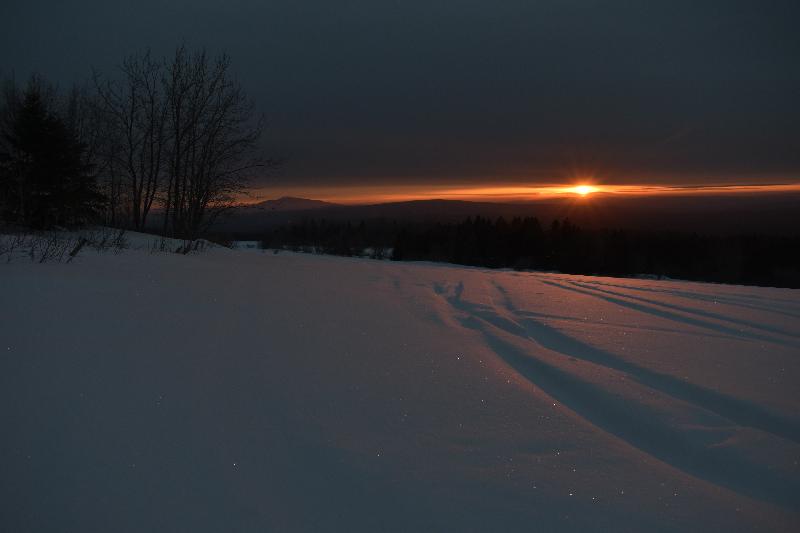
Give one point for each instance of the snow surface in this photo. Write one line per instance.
(241, 391)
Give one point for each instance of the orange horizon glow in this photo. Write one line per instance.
(375, 194)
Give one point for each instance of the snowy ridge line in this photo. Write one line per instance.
(676, 429)
(670, 315)
(688, 310)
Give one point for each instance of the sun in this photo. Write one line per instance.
(583, 190)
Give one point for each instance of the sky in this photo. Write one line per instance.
(466, 93)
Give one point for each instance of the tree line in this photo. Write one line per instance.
(527, 244)
(167, 140)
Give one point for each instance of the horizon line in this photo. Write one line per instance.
(372, 195)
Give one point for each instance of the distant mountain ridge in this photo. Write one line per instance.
(289, 203)
(770, 214)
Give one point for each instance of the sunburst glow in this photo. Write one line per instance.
(583, 190)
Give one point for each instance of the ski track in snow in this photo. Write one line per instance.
(652, 307)
(775, 305)
(648, 430)
(347, 394)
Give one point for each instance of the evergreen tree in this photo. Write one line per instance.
(44, 178)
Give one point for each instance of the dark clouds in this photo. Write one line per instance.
(436, 90)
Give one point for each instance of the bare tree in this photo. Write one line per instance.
(213, 139)
(181, 133)
(135, 110)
